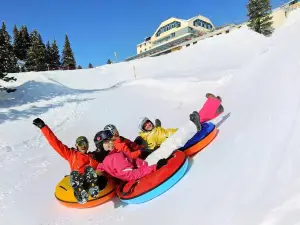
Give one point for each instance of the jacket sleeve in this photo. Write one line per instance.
(171, 131)
(94, 163)
(123, 146)
(149, 139)
(131, 154)
(141, 163)
(100, 167)
(134, 146)
(135, 174)
(131, 150)
(58, 146)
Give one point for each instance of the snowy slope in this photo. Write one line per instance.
(248, 175)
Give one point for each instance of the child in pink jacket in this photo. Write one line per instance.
(118, 164)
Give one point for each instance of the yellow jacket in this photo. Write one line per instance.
(157, 136)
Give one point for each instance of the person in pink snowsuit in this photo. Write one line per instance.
(118, 164)
(211, 109)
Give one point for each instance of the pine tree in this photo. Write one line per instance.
(48, 55)
(90, 65)
(16, 40)
(22, 43)
(68, 60)
(3, 62)
(36, 55)
(55, 57)
(260, 19)
(8, 61)
(108, 62)
(79, 67)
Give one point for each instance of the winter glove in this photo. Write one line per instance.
(102, 182)
(39, 123)
(161, 163)
(145, 153)
(157, 123)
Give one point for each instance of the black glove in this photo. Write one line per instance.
(157, 123)
(39, 123)
(145, 153)
(161, 163)
(102, 182)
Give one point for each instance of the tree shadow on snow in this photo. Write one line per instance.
(14, 114)
(33, 91)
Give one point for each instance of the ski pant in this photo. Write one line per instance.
(177, 140)
(101, 181)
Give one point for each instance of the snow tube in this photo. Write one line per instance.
(154, 184)
(65, 195)
(200, 140)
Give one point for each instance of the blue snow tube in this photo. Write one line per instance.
(157, 183)
(207, 128)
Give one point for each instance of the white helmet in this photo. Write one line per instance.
(112, 128)
(142, 122)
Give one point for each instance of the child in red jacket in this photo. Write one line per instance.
(132, 149)
(83, 177)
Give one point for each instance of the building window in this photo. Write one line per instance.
(140, 46)
(168, 27)
(200, 23)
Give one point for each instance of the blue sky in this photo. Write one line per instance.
(98, 28)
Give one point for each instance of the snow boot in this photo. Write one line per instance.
(195, 118)
(91, 179)
(76, 181)
(210, 95)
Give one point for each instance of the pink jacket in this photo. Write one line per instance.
(209, 109)
(119, 165)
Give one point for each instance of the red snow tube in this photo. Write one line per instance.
(134, 189)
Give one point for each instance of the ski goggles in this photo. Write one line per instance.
(83, 143)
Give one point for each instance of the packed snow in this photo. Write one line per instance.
(248, 175)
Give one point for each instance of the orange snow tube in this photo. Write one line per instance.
(65, 195)
(201, 139)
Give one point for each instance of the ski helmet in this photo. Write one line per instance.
(112, 128)
(82, 141)
(143, 121)
(101, 136)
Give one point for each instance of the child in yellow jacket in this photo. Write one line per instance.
(154, 135)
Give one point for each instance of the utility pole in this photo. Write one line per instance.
(116, 56)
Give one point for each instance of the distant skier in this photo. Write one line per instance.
(83, 176)
(168, 140)
(120, 165)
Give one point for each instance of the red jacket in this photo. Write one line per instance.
(77, 160)
(130, 148)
